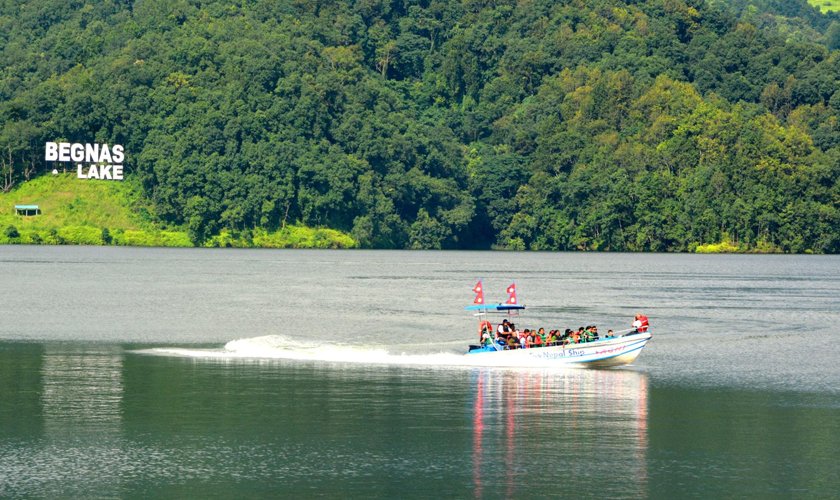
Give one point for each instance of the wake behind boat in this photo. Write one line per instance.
(584, 347)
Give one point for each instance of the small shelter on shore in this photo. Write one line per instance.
(27, 210)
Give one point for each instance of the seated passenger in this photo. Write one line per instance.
(485, 338)
(504, 328)
(484, 329)
(609, 334)
(511, 342)
(640, 324)
(567, 336)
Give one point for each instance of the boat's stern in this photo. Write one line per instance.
(474, 349)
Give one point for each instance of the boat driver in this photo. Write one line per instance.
(504, 330)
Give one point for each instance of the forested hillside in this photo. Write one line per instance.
(642, 125)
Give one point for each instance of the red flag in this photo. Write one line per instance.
(511, 290)
(479, 293)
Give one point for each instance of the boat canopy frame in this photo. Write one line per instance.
(495, 308)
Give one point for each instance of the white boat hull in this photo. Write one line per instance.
(603, 353)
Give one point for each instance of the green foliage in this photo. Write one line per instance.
(427, 233)
(151, 238)
(722, 247)
(826, 5)
(80, 212)
(606, 125)
(80, 235)
(302, 237)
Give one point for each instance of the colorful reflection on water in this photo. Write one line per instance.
(538, 424)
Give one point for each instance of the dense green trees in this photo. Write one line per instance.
(606, 124)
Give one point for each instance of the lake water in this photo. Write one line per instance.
(252, 373)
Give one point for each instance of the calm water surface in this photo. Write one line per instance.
(151, 372)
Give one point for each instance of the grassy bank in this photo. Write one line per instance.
(82, 212)
(826, 5)
(91, 212)
(728, 246)
(287, 237)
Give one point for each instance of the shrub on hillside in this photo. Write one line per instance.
(81, 235)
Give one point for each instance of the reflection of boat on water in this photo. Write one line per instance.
(598, 353)
(592, 424)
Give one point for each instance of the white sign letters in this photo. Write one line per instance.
(104, 161)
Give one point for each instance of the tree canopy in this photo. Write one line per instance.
(638, 125)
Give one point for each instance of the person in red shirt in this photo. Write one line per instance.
(641, 323)
(538, 342)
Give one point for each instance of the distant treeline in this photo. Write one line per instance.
(641, 125)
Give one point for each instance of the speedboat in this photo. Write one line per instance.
(622, 349)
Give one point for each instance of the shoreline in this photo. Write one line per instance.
(217, 242)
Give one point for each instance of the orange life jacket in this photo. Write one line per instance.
(482, 326)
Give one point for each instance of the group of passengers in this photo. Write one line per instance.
(510, 337)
